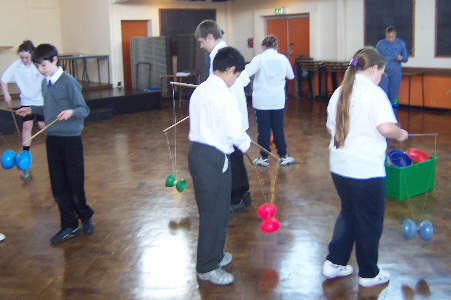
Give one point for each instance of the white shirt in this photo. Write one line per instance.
(270, 69)
(237, 88)
(28, 80)
(55, 76)
(363, 153)
(214, 117)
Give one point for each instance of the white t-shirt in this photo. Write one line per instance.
(237, 88)
(28, 80)
(363, 153)
(270, 69)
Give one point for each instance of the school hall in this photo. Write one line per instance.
(143, 67)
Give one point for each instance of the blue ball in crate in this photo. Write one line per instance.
(409, 229)
(399, 159)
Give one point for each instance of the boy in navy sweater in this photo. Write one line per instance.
(63, 101)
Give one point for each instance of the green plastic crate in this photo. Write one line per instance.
(418, 178)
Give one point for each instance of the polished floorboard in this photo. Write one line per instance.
(144, 244)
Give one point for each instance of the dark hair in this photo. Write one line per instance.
(44, 52)
(26, 46)
(390, 28)
(270, 41)
(228, 57)
(207, 27)
(362, 60)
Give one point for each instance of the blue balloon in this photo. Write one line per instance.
(8, 159)
(23, 160)
(409, 229)
(426, 230)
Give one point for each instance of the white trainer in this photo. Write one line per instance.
(227, 259)
(331, 270)
(264, 162)
(217, 276)
(286, 160)
(381, 278)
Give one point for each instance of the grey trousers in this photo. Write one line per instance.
(212, 190)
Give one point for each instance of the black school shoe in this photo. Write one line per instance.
(241, 206)
(247, 199)
(237, 208)
(88, 227)
(65, 234)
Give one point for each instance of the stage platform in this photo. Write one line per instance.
(103, 100)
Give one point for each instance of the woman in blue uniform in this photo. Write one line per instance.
(395, 52)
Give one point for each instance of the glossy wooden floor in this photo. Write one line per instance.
(144, 245)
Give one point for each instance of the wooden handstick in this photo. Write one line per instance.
(264, 150)
(173, 125)
(184, 84)
(41, 131)
(15, 122)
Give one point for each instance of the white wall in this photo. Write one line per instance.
(37, 20)
(86, 29)
(149, 10)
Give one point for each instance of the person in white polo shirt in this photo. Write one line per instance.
(359, 119)
(215, 128)
(271, 69)
(28, 79)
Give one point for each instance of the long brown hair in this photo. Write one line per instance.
(362, 60)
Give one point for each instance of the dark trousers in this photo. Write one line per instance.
(240, 182)
(360, 221)
(66, 169)
(212, 191)
(391, 82)
(267, 120)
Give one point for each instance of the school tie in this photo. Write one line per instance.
(49, 83)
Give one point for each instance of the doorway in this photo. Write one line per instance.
(129, 29)
(293, 33)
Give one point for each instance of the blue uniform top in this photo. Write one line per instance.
(391, 50)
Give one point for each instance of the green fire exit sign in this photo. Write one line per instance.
(280, 10)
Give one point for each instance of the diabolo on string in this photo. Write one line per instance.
(267, 211)
(424, 171)
(171, 180)
(23, 159)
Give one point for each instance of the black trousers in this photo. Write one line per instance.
(66, 169)
(240, 182)
(212, 191)
(267, 120)
(360, 221)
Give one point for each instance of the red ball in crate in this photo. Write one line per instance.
(267, 210)
(417, 155)
(270, 225)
